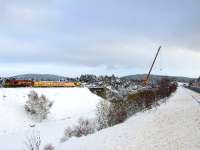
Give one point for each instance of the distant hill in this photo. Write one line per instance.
(42, 77)
(50, 77)
(158, 77)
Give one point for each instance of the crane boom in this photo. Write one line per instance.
(148, 75)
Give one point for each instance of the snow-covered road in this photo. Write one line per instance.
(172, 126)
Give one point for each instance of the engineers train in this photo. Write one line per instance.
(30, 83)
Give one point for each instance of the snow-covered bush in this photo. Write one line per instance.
(110, 113)
(68, 133)
(113, 95)
(118, 113)
(83, 128)
(121, 104)
(147, 98)
(103, 111)
(37, 106)
(33, 142)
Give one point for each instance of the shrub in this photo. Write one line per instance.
(120, 109)
(118, 113)
(37, 106)
(33, 142)
(68, 133)
(110, 113)
(83, 128)
(103, 111)
(146, 99)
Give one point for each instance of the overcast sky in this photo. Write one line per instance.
(73, 37)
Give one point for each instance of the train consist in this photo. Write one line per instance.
(30, 83)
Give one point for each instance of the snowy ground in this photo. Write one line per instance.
(69, 105)
(172, 126)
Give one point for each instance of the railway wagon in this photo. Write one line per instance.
(54, 84)
(18, 83)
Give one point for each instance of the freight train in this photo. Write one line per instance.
(30, 83)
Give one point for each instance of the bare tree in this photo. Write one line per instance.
(37, 106)
(33, 142)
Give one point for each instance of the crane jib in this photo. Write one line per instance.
(147, 78)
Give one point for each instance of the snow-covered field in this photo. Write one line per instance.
(69, 105)
(172, 126)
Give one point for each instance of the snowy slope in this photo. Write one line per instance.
(69, 105)
(172, 126)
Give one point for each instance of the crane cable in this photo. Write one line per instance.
(161, 63)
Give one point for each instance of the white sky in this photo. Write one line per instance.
(102, 37)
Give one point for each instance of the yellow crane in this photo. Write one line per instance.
(146, 80)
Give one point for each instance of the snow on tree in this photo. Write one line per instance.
(38, 107)
(102, 113)
(83, 128)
